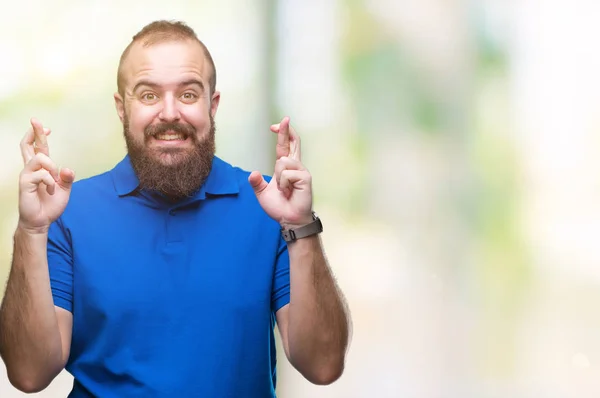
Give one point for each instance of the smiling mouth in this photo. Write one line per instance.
(170, 137)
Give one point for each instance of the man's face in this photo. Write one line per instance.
(167, 113)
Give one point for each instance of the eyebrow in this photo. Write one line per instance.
(189, 82)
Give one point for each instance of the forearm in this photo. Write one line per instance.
(318, 318)
(30, 342)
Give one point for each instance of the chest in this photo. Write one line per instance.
(153, 266)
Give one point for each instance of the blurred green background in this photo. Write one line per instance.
(454, 148)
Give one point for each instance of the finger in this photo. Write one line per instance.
(295, 145)
(275, 128)
(41, 176)
(41, 143)
(26, 145)
(285, 163)
(41, 161)
(290, 180)
(66, 178)
(27, 148)
(50, 183)
(283, 138)
(257, 182)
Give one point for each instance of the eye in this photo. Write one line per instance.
(149, 97)
(188, 97)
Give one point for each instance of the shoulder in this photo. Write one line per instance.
(238, 173)
(236, 178)
(86, 194)
(90, 187)
(89, 196)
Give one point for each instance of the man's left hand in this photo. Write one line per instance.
(287, 198)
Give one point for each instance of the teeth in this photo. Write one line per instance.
(169, 137)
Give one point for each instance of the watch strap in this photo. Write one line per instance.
(313, 228)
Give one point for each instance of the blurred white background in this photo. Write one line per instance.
(455, 150)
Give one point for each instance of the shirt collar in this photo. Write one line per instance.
(222, 179)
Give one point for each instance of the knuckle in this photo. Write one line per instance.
(25, 178)
(40, 157)
(43, 159)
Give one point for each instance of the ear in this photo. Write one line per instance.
(120, 105)
(214, 103)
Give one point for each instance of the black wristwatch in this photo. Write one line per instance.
(313, 228)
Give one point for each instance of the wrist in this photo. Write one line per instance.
(25, 230)
(296, 223)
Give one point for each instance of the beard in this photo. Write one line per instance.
(185, 170)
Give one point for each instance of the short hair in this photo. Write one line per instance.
(162, 31)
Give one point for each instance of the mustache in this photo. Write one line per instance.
(184, 129)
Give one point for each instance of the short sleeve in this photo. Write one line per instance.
(281, 278)
(60, 265)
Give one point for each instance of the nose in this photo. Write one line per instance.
(170, 110)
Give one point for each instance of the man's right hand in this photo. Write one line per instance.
(43, 189)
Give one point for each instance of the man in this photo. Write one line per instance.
(164, 276)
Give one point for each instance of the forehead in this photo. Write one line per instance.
(165, 63)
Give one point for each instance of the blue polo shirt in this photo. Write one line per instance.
(169, 299)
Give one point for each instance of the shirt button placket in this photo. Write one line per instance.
(172, 230)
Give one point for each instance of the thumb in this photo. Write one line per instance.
(258, 182)
(66, 178)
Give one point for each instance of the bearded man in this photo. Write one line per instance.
(166, 276)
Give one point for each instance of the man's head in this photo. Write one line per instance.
(167, 101)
